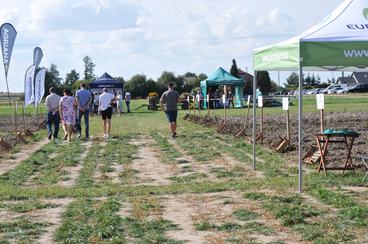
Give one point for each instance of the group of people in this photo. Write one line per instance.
(70, 110)
(118, 106)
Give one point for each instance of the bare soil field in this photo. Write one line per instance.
(275, 127)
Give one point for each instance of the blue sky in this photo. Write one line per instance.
(126, 37)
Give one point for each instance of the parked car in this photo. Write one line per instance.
(337, 90)
(333, 86)
(359, 88)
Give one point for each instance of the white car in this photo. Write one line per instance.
(338, 90)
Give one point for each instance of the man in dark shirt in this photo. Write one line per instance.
(84, 99)
(171, 99)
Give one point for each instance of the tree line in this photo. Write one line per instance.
(140, 85)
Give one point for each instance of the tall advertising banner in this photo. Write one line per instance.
(29, 86)
(37, 56)
(7, 35)
(7, 38)
(40, 85)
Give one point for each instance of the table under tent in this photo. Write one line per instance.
(106, 81)
(338, 43)
(223, 78)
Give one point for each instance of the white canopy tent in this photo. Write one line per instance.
(338, 43)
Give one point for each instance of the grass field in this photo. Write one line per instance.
(142, 186)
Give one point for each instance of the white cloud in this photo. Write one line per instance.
(125, 37)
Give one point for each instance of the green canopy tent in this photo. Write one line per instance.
(222, 77)
(338, 43)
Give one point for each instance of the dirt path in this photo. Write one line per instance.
(178, 211)
(150, 169)
(73, 172)
(24, 154)
(53, 216)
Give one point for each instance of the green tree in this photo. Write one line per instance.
(121, 79)
(292, 81)
(248, 85)
(77, 84)
(88, 69)
(167, 77)
(52, 79)
(71, 78)
(234, 69)
(137, 86)
(264, 82)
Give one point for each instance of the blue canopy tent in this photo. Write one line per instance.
(106, 81)
(222, 77)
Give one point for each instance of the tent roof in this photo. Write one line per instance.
(106, 81)
(222, 77)
(338, 42)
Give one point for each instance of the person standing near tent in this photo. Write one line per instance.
(53, 117)
(84, 100)
(127, 100)
(67, 113)
(119, 98)
(105, 106)
(231, 99)
(171, 99)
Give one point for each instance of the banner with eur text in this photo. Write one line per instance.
(29, 86)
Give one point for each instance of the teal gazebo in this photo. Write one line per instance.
(221, 77)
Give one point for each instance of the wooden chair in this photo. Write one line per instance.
(365, 165)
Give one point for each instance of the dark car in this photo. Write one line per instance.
(359, 88)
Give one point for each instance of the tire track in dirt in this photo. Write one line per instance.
(73, 172)
(53, 216)
(114, 175)
(147, 163)
(24, 154)
(178, 211)
(217, 208)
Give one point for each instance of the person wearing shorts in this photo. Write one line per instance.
(105, 101)
(170, 98)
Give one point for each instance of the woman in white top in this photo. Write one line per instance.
(105, 106)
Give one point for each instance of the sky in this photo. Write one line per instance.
(128, 37)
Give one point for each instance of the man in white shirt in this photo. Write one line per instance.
(105, 107)
(53, 117)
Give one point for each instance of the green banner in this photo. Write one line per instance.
(282, 56)
(334, 54)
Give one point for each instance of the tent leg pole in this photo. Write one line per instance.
(300, 125)
(254, 119)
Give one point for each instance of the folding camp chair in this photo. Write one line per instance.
(365, 164)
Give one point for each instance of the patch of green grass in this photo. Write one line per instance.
(257, 228)
(259, 196)
(291, 209)
(25, 207)
(188, 178)
(245, 215)
(170, 154)
(85, 178)
(227, 227)
(233, 172)
(90, 221)
(21, 230)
